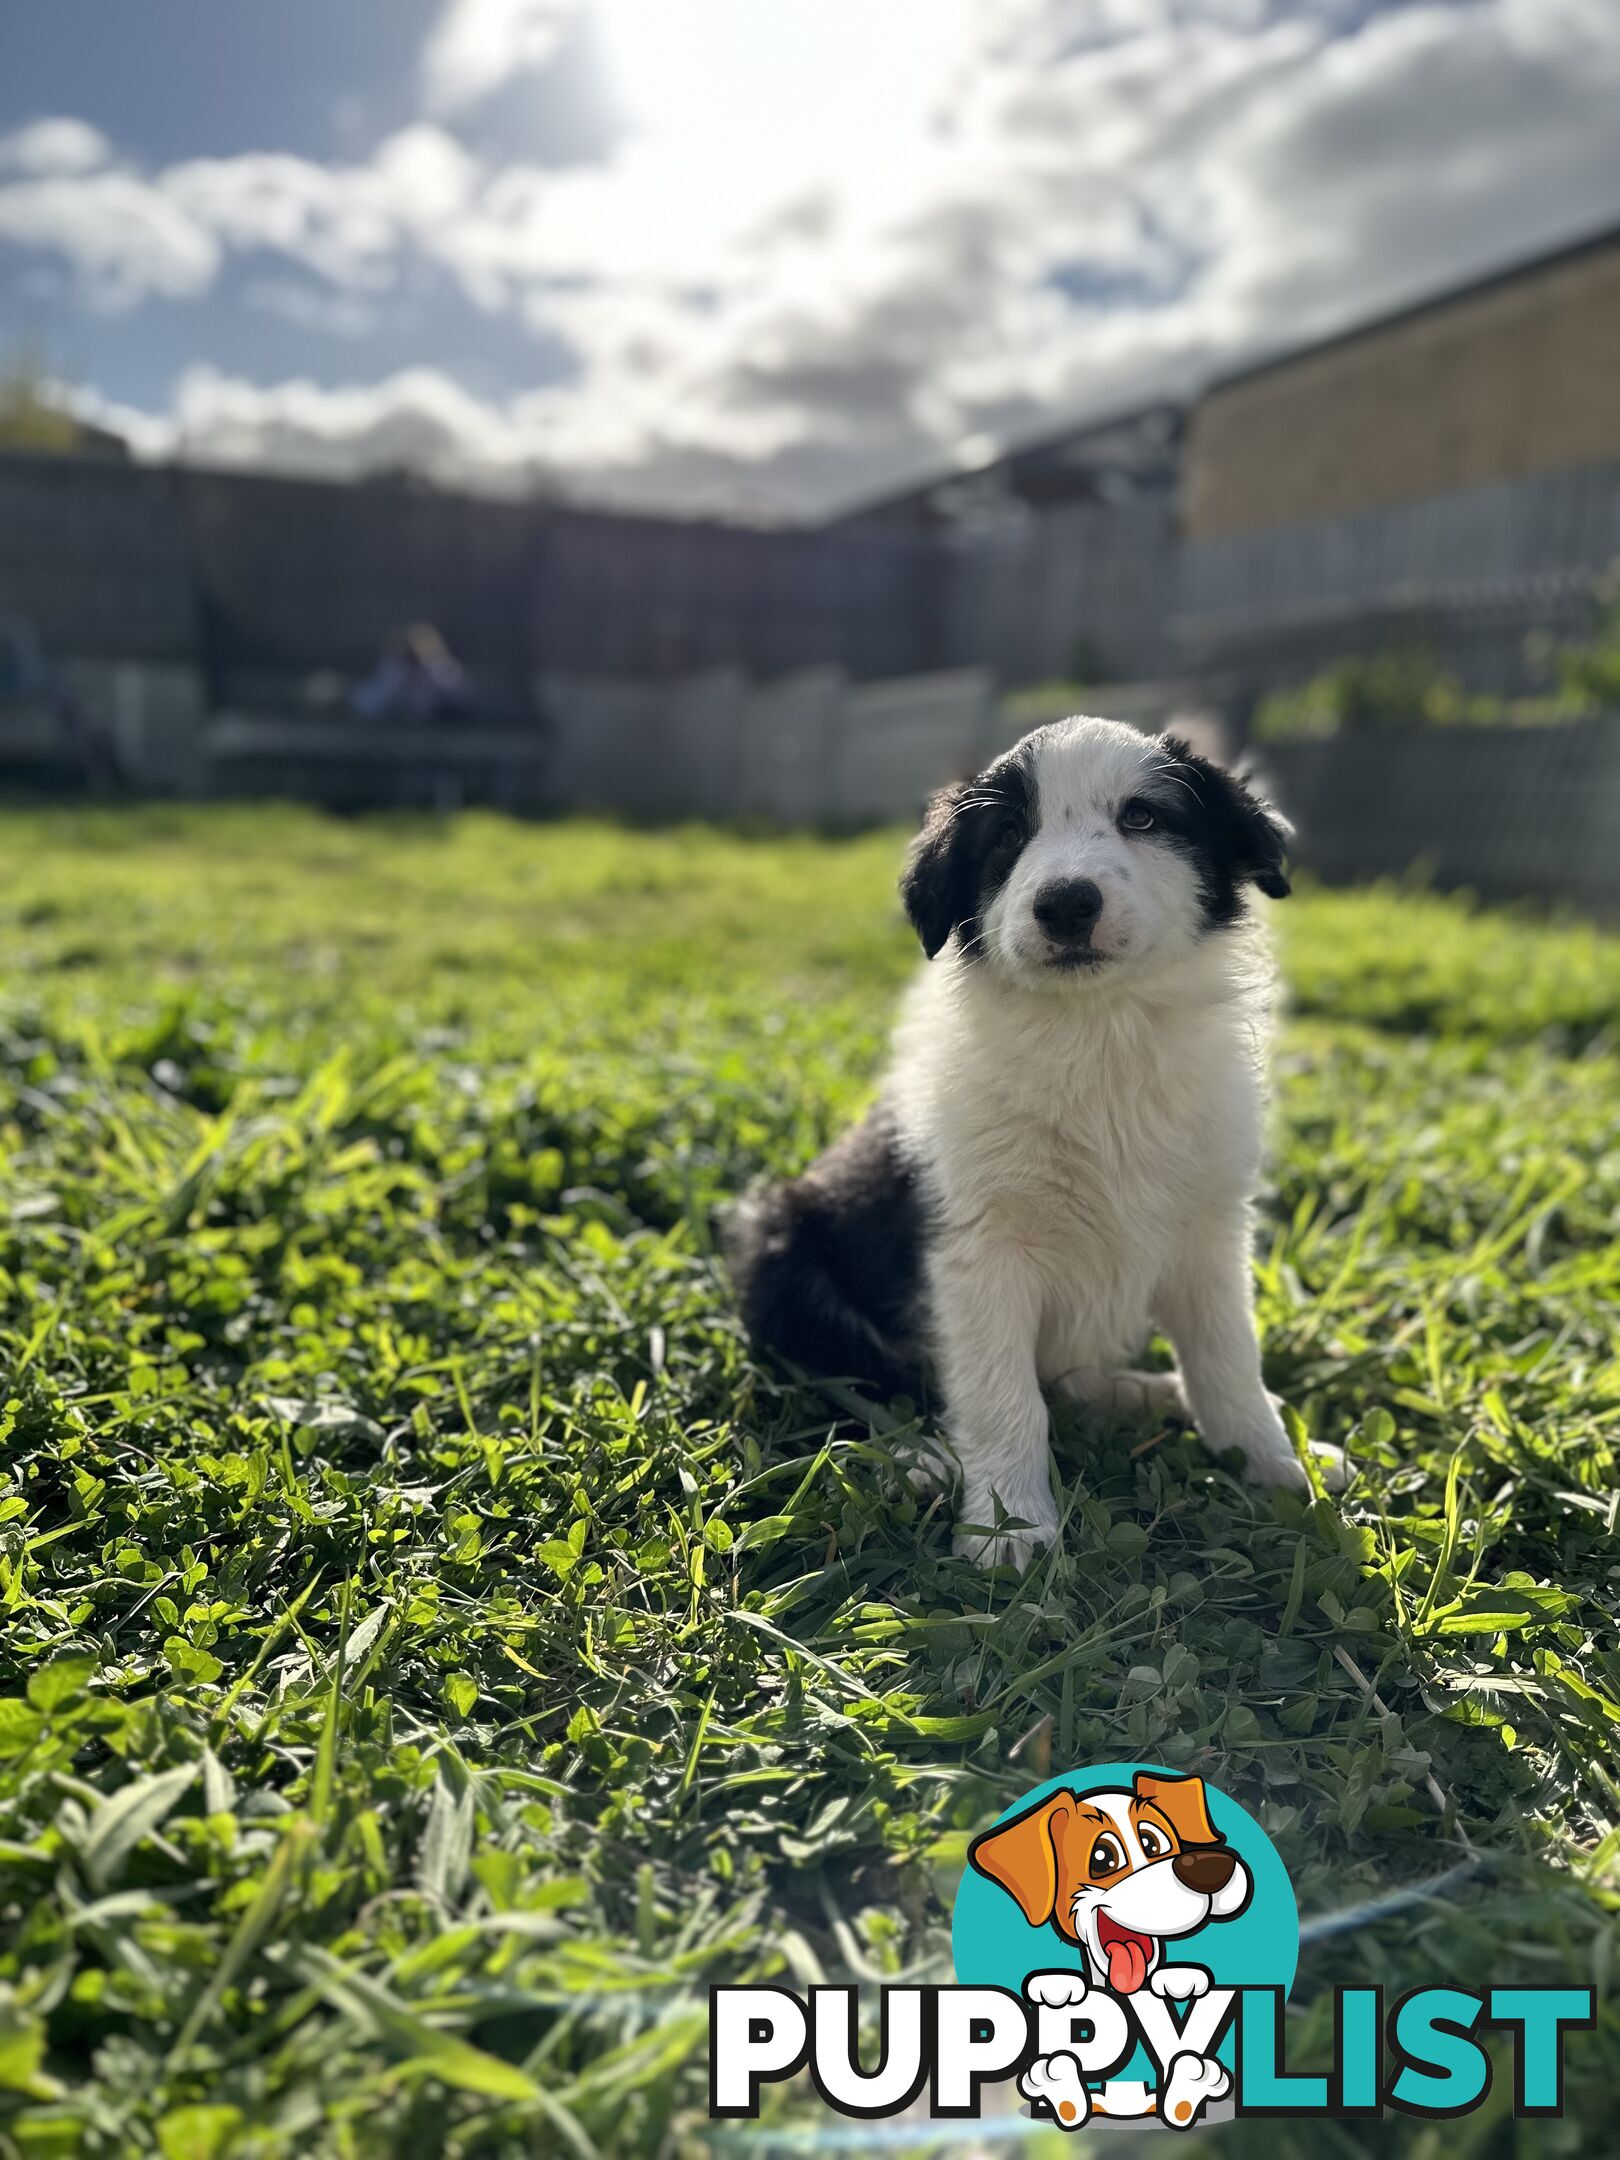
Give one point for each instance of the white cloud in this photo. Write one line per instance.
(125, 238)
(839, 240)
(477, 45)
(425, 175)
(54, 146)
(167, 233)
(418, 417)
(335, 221)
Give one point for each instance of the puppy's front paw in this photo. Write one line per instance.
(1269, 1455)
(1006, 1547)
(1282, 1470)
(1057, 1990)
(1179, 1983)
(1333, 1465)
(1277, 1468)
(924, 1464)
(1029, 1525)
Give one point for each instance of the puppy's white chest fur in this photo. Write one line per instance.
(1090, 1137)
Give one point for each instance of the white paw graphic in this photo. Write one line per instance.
(1193, 2080)
(1179, 1983)
(1056, 2079)
(1056, 1990)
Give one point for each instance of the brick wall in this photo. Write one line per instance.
(1517, 377)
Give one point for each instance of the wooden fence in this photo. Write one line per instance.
(263, 584)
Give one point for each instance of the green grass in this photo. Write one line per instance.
(434, 1650)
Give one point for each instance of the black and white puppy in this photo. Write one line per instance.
(1065, 1146)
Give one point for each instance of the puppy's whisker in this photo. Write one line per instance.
(1177, 780)
(974, 802)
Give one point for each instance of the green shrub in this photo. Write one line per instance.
(1399, 689)
(1589, 672)
(1405, 687)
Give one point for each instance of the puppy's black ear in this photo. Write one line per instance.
(937, 883)
(1249, 833)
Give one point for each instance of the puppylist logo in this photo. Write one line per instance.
(1124, 1940)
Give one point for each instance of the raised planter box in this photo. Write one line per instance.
(1509, 812)
(349, 764)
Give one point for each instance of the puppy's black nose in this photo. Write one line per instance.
(1068, 908)
(1206, 1870)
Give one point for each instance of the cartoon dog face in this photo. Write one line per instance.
(1118, 1872)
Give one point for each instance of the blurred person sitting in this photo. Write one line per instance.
(416, 678)
(22, 670)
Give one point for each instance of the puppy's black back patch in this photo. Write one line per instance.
(829, 1264)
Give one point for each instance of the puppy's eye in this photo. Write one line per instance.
(1107, 1857)
(1009, 834)
(1151, 1842)
(1137, 817)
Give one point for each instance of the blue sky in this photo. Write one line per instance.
(761, 254)
(184, 78)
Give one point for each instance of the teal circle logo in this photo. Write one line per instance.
(1128, 1881)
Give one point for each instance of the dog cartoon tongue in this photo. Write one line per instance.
(1127, 1954)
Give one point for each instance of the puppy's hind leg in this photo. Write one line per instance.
(1123, 1394)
